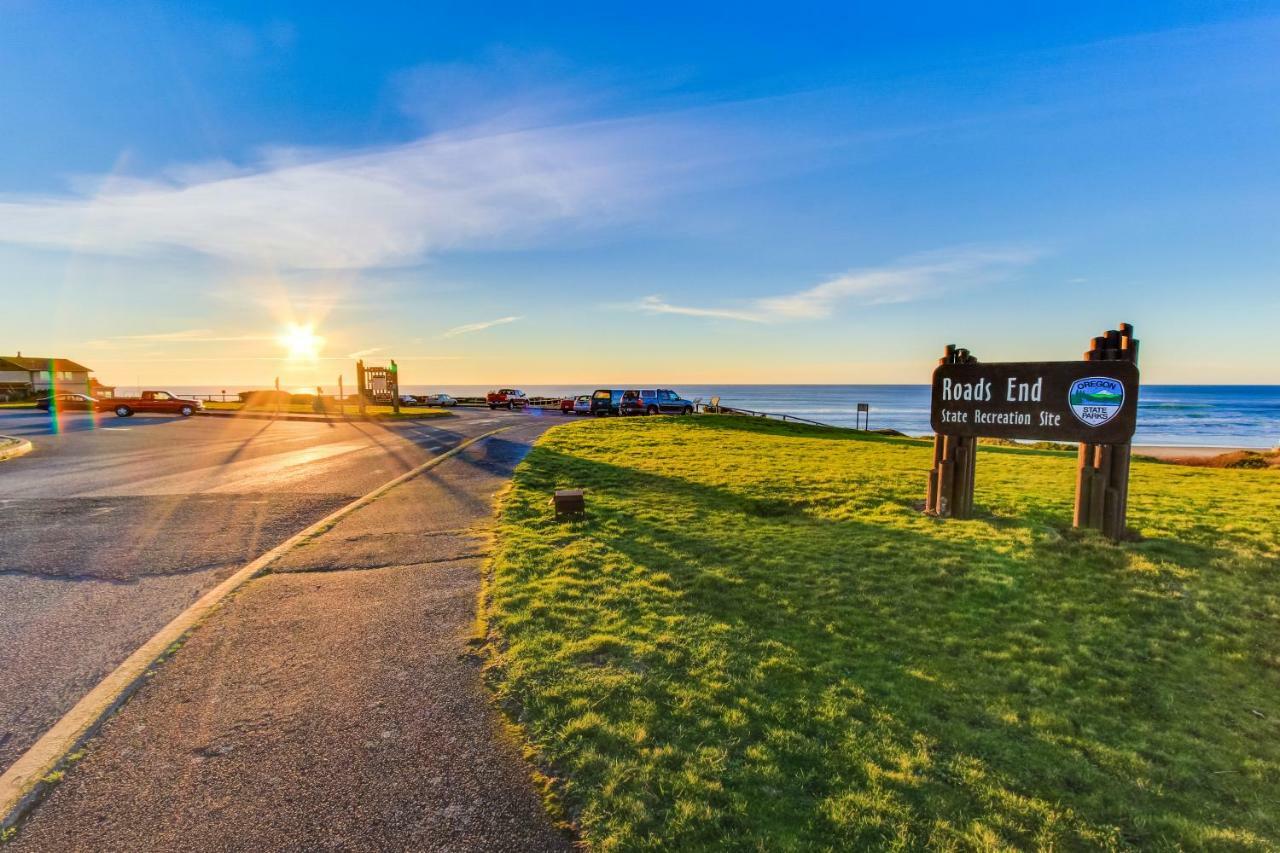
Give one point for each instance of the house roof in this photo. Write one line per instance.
(23, 362)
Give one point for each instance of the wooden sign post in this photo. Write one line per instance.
(951, 478)
(1093, 402)
(1102, 479)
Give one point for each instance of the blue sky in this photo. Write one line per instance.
(576, 193)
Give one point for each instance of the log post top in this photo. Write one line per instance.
(1114, 345)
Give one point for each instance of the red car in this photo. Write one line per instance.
(159, 402)
(506, 398)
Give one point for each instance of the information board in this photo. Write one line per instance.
(1088, 401)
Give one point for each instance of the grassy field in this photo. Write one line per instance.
(756, 640)
(348, 410)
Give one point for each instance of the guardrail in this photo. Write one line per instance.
(733, 410)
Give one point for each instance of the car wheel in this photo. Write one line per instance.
(186, 411)
(652, 410)
(123, 411)
(688, 410)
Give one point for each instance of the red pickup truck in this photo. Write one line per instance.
(161, 402)
(506, 398)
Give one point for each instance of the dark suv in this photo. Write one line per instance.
(605, 402)
(654, 401)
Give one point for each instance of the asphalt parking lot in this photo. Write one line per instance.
(111, 527)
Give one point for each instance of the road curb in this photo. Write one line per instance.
(11, 447)
(27, 779)
(312, 419)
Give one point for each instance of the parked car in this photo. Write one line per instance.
(654, 401)
(605, 402)
(507, 398)
(439, 400)
(408, 400)
(68, 402)
(566, 406)
(158, 402)
(582, 404)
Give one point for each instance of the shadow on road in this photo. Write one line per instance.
(33, 422)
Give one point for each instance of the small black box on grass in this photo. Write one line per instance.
(569, 503)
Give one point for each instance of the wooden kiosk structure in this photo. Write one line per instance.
(378, 385)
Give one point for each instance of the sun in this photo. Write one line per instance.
(301, 342)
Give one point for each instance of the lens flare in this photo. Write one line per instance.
(301, 342)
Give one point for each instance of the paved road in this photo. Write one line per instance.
(109, 529)
(335, 704)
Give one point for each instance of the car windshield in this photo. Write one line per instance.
(602, 395)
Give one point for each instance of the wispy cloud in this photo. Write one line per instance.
(361, 353)
(657, 305)
(191, 336)
(299, 209)
(479, 327)
(916, 278)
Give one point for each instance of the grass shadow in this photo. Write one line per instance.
(820, 674)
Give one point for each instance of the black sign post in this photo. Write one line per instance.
(1093, 402)
(393, 376)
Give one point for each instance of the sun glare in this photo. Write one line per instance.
(301, 342)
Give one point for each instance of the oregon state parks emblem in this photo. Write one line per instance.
(1095, 400)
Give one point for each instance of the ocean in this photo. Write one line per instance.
(1193, 415)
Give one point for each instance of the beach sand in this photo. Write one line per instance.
(1175, 452)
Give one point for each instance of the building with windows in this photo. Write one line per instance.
(23, 376)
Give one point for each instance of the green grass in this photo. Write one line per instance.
(348, 409)
(755, 640)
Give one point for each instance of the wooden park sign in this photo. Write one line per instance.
(378, 385)
(1093, 402)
